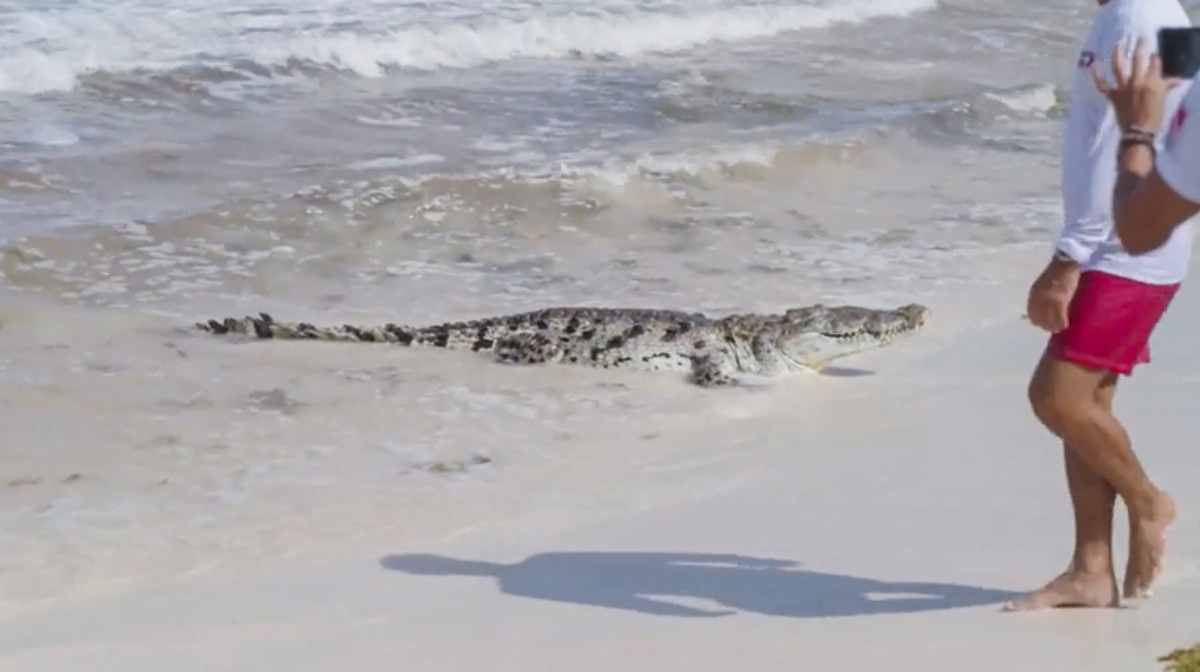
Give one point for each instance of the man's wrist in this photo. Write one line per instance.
(1135, 128)
(1136, 156)
(1061, 256)
(1061, 261)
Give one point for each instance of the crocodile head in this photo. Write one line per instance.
(812, 337)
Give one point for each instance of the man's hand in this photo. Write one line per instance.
(1138, 95)
(1050, 295)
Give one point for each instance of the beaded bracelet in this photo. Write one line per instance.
(1136, 135)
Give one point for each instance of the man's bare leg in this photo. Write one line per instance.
(1103, 444)
(1089, 581)
(1147, 548)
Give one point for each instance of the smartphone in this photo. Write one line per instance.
(1179, 49)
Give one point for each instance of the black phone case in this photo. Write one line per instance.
(1179, 51)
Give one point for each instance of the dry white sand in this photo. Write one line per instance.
(841, 523)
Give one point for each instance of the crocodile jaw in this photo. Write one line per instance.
(814, 337)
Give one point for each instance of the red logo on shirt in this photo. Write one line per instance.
(1180, 118)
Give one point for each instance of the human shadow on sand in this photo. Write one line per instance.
(647, 582)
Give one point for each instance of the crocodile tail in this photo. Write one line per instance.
(264, 326)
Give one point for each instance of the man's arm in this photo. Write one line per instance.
(1149, 201)
(1146, 209)
(1135, 160)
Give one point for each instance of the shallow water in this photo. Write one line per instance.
(417, 162)
(550, 148)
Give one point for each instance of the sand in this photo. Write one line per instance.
(874, 519)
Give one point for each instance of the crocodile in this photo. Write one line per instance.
(711, 351)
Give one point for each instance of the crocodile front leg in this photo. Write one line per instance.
(713, 367)
(527, 348)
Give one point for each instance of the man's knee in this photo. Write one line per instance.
(1051, 404)
(1061, 392)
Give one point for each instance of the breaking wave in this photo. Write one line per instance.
(51, 49)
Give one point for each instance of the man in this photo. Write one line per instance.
(1101, 304)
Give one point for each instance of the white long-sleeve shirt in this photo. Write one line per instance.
(1089, 149)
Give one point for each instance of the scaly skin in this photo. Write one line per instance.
(711, 351)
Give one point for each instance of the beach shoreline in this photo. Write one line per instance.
(173, 500)
(894, 474)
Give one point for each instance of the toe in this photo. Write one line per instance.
(1042, 599)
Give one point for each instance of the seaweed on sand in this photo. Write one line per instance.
(1183, 660)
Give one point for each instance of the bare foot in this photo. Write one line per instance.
(1147, 546)
(1071, 589)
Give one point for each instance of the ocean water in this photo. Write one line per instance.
(413, 162)
(153, 157)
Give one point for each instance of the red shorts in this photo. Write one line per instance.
(1110, 322)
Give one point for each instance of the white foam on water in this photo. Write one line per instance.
(395, 122)
(45, 135)
(385, 162)
(50, 49)
(1035, 99)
